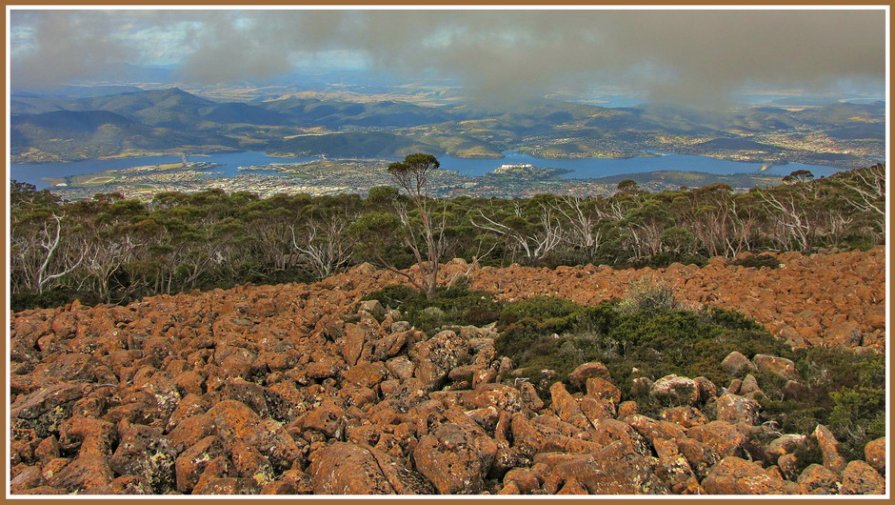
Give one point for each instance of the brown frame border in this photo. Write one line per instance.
(360, 3)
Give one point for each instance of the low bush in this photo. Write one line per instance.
(646, 295)
(455, 305)
(649, 335)
(758, 261)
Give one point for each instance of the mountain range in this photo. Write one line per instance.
(77, 124)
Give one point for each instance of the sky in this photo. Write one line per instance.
(697, 58)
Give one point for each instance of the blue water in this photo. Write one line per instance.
(37, 173)
(593, 168)
(587, 168)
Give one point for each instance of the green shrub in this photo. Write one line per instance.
(655, 342)
(844, 391)
(858, 416)
(663, 260)
(758, 261)
(539, 308)
(455, 305)
(808, 454)
(52, 298)
(648, 294)
(649, 335)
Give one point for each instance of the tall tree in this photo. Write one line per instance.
(427, 239)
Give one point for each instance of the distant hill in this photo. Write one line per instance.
(351, 145)
(175, 108)
(170, 108)
(76, 91)
(336, 114)
(694, 179)
(734, 144)
(173, 118)
(92, 134)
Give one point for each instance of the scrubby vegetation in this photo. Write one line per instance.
(758, 261)
(115, 250)
(648, 334)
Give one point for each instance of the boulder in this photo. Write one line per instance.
(455, 458)
(347, 468)
(673, 390)
(627, 408)
(786, 444)
(145, 452)
(501, 396)
(875, 454)
(45, 408)
(707, 389)
(565, 405)
(435, 357)
(818, 479)
(353, 342)
(861, 478)
(685, 417)
(366, 374)
(327, 418)
(27, 478)
(372, 307)
(845, 334)
(609, 471)
(829, 448)
(603, 390)
(673, 468)
(750, 388)
(400, 367)
(191, 464)
(724, 438)
(737, 365)
(775, 365)
(525, 480)
(91, 466)
(737, 409)
(584, 371)
(734, 475)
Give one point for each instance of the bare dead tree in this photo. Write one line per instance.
(324, 247)
(616, 211)
(49, 242)
(793, 223)
(869, 191)
(742, 229)
(536, 244)
(104, 257)
(273, 241)
(837, 223)
(582, 230)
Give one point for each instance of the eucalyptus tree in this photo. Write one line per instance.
(425, 236)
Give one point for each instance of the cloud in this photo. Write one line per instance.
(502, 57)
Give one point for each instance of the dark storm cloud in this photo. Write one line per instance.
(696, 57)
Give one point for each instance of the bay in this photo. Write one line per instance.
(41, 174)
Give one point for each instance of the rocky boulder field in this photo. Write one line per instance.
(307, 388)
(825, 299)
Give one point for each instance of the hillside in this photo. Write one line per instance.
(841, 134)
(306, 388)
(64, 134)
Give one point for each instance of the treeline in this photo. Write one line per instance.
(112, 250)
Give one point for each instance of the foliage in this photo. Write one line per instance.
(858, 416)
(758, 261)
(114, 250)
(648, 295)
(843, 390)
(454, 305)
